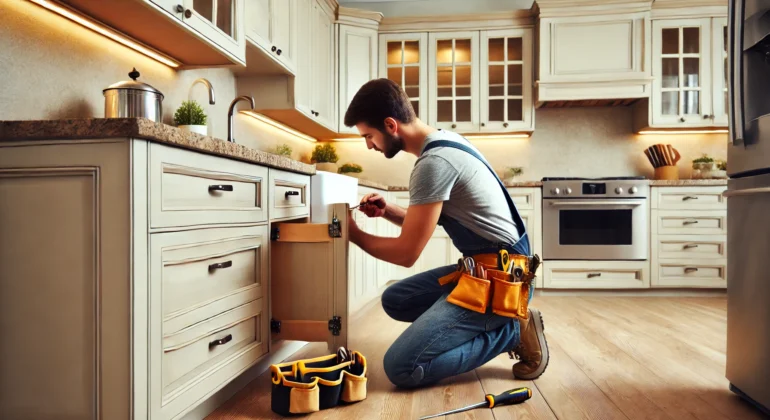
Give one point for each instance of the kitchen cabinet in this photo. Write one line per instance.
(688, 237)
(506, 81)
(403, 58)
(271, 26)
(221, 21)
(596, 275)
(324, 81)
(453, 80)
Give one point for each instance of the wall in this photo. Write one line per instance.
(53, 68)
(585, 142)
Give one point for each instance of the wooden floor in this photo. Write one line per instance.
(611, 358)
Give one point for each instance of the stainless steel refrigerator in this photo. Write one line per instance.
(748, 202)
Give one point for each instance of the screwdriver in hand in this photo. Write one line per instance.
(512, 396)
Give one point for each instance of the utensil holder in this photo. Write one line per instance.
(668, 172)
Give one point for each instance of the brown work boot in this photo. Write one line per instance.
(532, 350)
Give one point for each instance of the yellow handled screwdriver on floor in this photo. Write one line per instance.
(512, 396)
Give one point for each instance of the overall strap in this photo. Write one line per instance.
(514, 212)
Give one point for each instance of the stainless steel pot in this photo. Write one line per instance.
(132, 99)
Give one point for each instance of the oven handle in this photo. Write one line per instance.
(597, 203)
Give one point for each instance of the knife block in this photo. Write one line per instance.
(669, 172)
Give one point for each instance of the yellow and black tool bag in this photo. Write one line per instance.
(309, 385)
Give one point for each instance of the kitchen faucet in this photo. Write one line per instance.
(230, 114)
(201, 80)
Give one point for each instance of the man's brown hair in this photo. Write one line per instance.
(377, 100)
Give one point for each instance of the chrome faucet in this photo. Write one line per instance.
(230, 114)
(201, 80)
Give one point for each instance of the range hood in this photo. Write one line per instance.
(593, 52)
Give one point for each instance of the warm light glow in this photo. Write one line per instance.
(663, 132)
(349, 140)
(276, 124)
(497, 136)
(104, 30)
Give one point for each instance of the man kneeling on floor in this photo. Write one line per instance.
(451, 185)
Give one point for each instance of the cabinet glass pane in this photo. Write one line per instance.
(411, 52)
(463, 110)
(444, 87)
(496, 49)
(463, 80)
(412, 75)
(225, 16)
(394, 74)
(514, 79)
(691, 72)
(444, 51)
(497, 110)
(205, 8)
(670, 73)
(724, 38)
(670, 104)
(691, 102)
(496, 80)
(444, 111)
(394, 52)
(670, 43)
(515, 50)
(416, 107)
(463, 51)
(515, 110)
(691, 40)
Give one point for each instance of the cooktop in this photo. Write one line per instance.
(609, 178)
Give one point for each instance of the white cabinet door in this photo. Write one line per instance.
(171, 6)
(303, 86)
(681, 51)
(719, 74)
(323, 69)
(284, 31)
(357, 65)
(506, 80)
(453, 80)
(221, 21)
(404, 60)
(258, 23)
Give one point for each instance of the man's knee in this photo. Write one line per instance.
(400, 371)
(392, 302)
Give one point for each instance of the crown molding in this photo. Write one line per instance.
(498, 20)
(662, 9)
(358, 17)
(565, 8)
(331, 6)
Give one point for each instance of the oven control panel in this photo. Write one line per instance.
(596, 189)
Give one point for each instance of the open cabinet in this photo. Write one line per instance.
(309, 279)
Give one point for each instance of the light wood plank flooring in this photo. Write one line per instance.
(611, 358)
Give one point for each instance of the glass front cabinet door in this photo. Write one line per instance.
(403, 58)
(453, 81)
(221, 21)
(720, 63)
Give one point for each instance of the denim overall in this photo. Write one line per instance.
(444, 339)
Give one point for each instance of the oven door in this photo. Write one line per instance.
(595, 229)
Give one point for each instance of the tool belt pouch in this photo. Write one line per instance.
(509, 298)
(471, 293)
(310, 385)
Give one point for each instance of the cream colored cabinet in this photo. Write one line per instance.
(324, 79)
(720, 61)
(506, 81)
(596, 275)
(221, 21)
(688, 237)
(357, 59)
(453, 80)
(271, 25)
(528, 202)
(403, 58)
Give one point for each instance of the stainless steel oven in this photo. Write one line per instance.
(596, 219)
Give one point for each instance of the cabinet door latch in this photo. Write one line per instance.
(275, 325)
(335, 229)
(335, 325)
(275, 233)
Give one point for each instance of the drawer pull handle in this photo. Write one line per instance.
(594, 275)
(690, 269)
(690, 222)
(217, 266)
(221, 187)
(689, 197)
(690, 246)
(221, 341)
(288, 193)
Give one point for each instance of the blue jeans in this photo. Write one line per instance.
(444, 339)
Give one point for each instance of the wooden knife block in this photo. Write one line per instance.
(667, 173)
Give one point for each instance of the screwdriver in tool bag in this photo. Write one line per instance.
(512, 396)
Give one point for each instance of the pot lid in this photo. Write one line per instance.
(133, 84)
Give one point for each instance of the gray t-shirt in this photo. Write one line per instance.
(470, 192)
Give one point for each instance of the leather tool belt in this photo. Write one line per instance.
(309, 385)
(507, 293)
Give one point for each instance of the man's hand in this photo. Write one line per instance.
(373, 205)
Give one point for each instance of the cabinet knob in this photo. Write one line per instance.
(505, 125)
(188, 13)
(179, 8)
(278, 52)
(681, 119)
(483, 125)
(454, 125)
(273, 49)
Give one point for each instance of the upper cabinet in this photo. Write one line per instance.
(453, 81)
(403, 58)
(271, 29)
(221, 21)
(506, 80)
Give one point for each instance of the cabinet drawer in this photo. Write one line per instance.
(289, 195)
(695, 273)
(190, 352)
(692, 247)
(689, 198)
(523, 198)
(677, 222)
(189, 188)
(596, 274)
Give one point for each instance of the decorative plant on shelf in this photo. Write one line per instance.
(722, 165)
(351, 169)
(325, 157)
(283, 150)
(512, 172)
(703, 162)
(190, 116)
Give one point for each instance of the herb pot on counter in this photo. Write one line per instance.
(132, 99)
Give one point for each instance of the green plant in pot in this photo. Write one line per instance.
(351, 169)
(283, 150)
(512, 172)
(190, 117)
(704, 163)
(325, 157)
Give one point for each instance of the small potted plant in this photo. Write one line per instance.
(283, 150)
(351, 169)
(190, 117)
(512, 172)
(704, 163)
(325, 157)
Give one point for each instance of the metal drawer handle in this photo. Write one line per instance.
(690, 246)
(689, 197)
(689, 222)
(221, 187)
(221, 341)
(690, 269)
(288, 193)
(594, 275)
(217, 266)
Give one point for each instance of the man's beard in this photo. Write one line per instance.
(393, 145)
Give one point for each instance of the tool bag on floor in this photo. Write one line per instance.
(309, 385)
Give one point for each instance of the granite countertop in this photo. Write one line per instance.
(142, 128)
(377, 185)
(686, 182)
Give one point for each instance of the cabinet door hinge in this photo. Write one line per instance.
(275, 233)
(335, 325)
(335, 229)
(275, 325)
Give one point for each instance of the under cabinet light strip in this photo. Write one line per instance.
(467, 136)
(273, 123)
(684, 132)
(104, 30)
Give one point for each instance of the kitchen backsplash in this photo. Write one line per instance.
(52, 68)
